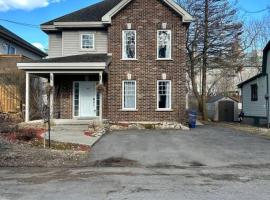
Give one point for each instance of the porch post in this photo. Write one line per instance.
(52, 94)
(27, 97)
(101, 103)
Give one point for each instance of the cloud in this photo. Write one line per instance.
(6, 5)
(39, 46)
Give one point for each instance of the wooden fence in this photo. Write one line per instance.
(10, 101)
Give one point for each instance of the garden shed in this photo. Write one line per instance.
(223, 108)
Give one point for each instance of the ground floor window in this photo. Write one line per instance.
(129, 95)
(98, 104)
(76, 98)
(164, 95)
(254, 92)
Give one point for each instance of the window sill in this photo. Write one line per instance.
(164, 110)
(129, 59)
(129, 110)
(87, 50)
(159, 59)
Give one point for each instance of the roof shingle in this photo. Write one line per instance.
(92, 13)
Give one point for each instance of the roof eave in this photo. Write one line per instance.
(63, 66)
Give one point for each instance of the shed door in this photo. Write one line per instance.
(226, 111)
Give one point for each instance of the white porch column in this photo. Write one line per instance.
(27, 97)
(52, 94)
(100, 101)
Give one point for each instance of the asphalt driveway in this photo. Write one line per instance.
(210, 146)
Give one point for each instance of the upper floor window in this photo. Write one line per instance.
(88, 41)
(129, 45)
(164, 43)
(164, 95)
(11, 50)
(129, 95)
(8, 49)
(254, 92)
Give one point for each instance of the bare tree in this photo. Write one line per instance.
(210, 42)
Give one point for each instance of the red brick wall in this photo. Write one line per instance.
(146, 18)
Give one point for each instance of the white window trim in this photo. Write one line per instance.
(73, 103)
(123, 45)
(170, 58)
(123, 96)
(94, 43)
(170, 92)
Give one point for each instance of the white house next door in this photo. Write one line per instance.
(84, 99)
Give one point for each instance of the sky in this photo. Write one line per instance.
(39, 11)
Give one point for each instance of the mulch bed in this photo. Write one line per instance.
(25, 148)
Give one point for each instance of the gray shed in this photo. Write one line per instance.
(222, 108)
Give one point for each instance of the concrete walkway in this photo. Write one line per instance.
(73, 134)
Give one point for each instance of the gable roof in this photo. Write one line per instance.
(92, 13)
(103, 11)
(12, 37)
(213, 99)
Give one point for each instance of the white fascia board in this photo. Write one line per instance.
(48, 28)
(25, 66)
(107, 18)
(185, 15)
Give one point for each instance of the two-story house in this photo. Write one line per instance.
(14, 49)
(121, 60)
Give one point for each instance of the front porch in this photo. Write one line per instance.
(75, 95)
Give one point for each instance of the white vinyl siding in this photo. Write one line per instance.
(129, 95)
(55, 45)
(255, 108)
(72, 42)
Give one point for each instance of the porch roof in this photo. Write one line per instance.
(75, 62)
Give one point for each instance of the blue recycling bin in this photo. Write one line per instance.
(192, 116)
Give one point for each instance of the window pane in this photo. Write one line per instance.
(164, 44)
(11, 50)
(88, 41)
(129, 95)
(129, 44)
(76, 99)
(164, 96)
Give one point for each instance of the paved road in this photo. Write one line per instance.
(208, 163)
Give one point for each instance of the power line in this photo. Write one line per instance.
(20, 23)
(255, 12)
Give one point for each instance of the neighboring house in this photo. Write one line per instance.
(223, 108)
(255, 93)
(121, 60)
(13, 50)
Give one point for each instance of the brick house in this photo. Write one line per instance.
(121, 60)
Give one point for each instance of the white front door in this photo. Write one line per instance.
(87, 99)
